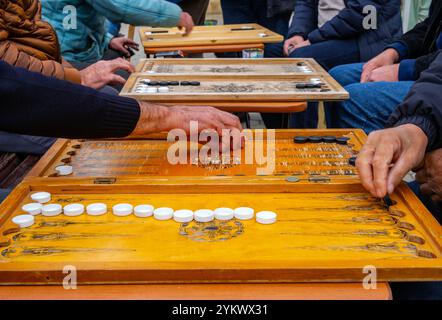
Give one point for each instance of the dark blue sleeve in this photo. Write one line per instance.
(422, 106)
(407, 70)
(348, 23)
(37, 105)
(305, 19)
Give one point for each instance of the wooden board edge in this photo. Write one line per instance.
(48, 158)
(425, 218)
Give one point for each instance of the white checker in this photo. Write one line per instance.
(163, 89)
(266, 217)
(183, 216)
(224, 214)
(122, 209)
(143, 211)
(244, 213)
(64, 170)
(24, 220)
(152, 90)
(96, 209)
(51, 210)
(32, 208)
(73, 210)
(163, 213)
(204, 215)
(41, 197)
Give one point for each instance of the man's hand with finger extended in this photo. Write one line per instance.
(388, 156)
(102, 73)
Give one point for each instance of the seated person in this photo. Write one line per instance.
(271, 14)
(333, 33)
(377, 87)
(33, 104)
(88, 41)
(414, 142)
(28, 42)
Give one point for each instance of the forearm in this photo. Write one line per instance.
(157, 13)
(153, 118)
(37, 105)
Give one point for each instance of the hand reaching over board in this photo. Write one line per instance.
(388, 156)
(157, 118)
(102, 73)
(186, 22)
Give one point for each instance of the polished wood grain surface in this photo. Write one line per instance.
(148, 157)
(320, 236)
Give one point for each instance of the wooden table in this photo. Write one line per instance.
(301, 291)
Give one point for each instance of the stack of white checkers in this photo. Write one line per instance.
(41, 206)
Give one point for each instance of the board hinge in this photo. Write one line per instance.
(319, 179)
(105, 180)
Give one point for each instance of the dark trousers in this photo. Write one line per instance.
(197, 9)
(255, 11)
(329, 54)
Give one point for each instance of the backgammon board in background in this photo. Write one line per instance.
(260, 85)
(208, 36)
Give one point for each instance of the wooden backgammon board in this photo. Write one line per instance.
(207, 38)
(320, 236)
(328, 229)
(148, 157)
(237, 85)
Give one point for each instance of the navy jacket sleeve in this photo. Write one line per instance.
(422, 106)
(413, 40)
(348, 23)
(37, 105)
(424, 62)
(305, 19)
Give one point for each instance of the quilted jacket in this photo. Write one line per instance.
(28, 42)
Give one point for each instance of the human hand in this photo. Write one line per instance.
(157, 118)
(123, 45)
(289, 44)
(186, 22)
(430, 175)
(388, 155)
(102, 73)
(386, 58)
(386, 74)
